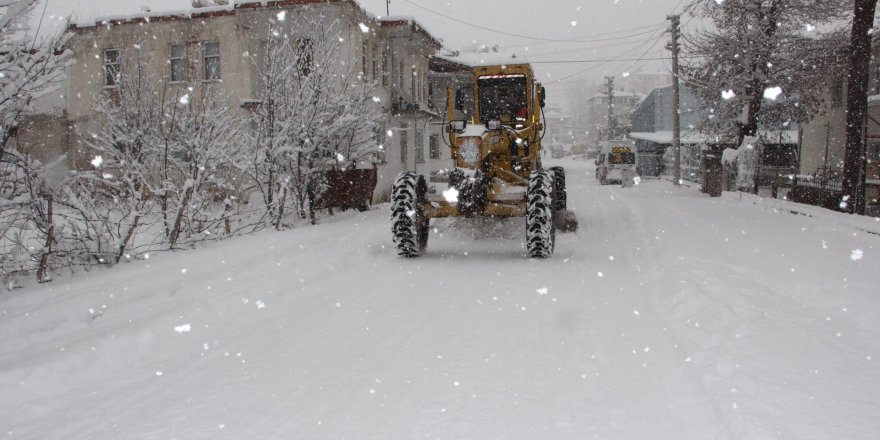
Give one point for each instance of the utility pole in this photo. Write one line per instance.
(387, 7)
(676, 117)
(609, 90)
(857, 107)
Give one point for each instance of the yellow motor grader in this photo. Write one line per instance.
(498, 171)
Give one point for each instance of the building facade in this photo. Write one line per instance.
(215, 47)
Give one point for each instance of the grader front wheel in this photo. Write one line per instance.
(540, 229)
(409, 226)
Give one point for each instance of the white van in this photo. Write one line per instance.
(617, 161)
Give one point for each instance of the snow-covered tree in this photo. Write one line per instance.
(207, 146)
(166, 147)
(313, 111)
(29, 66)
(762, 61)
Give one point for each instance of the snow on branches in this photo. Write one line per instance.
(314, 113)
(757, 48)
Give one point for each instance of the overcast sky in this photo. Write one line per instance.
(568, 41)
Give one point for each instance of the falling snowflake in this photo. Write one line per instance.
(727, 94)
(542, 291)
(185, 328)
(282, 15)
(451, 195)
(772, 93)
(364, 28)
(184, 100)
(97, 161)
(857, 255)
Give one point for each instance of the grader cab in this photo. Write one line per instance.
(497, 166)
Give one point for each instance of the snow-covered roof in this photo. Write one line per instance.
(696, 137)
(403, 20)
(203, 11)
(874, 100)
(476, 59)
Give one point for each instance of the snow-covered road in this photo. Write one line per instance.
(668, 315)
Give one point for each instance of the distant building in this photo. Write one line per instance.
(652, 131)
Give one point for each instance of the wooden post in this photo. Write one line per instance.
(43, 271)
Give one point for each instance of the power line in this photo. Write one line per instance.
(602, 63)
(605, 60)
(554, 40)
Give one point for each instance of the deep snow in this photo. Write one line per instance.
(668, 315)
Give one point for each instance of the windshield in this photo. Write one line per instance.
(503, 97)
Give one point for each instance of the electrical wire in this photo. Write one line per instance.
(554, 40)
(620, 58)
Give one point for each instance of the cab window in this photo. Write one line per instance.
(503, 97)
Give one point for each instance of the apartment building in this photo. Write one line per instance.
(213, 46)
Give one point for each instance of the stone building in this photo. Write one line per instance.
(211, 45)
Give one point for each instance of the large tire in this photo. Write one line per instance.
(409, 226)
(561, 196)
(540, 230)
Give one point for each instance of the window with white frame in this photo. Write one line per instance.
(177, 62)
(211, 52)
(112, 67)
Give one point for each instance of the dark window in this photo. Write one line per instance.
(386, 62)
(212, 60)
(837, 95)
(379, 139)
(434, 146)
(375, 61)
(420, 147)
(305, 50)
(112, 68)
(404, 144)
(364, 51)
(503, 98)
(414, 83)
(177, 60)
